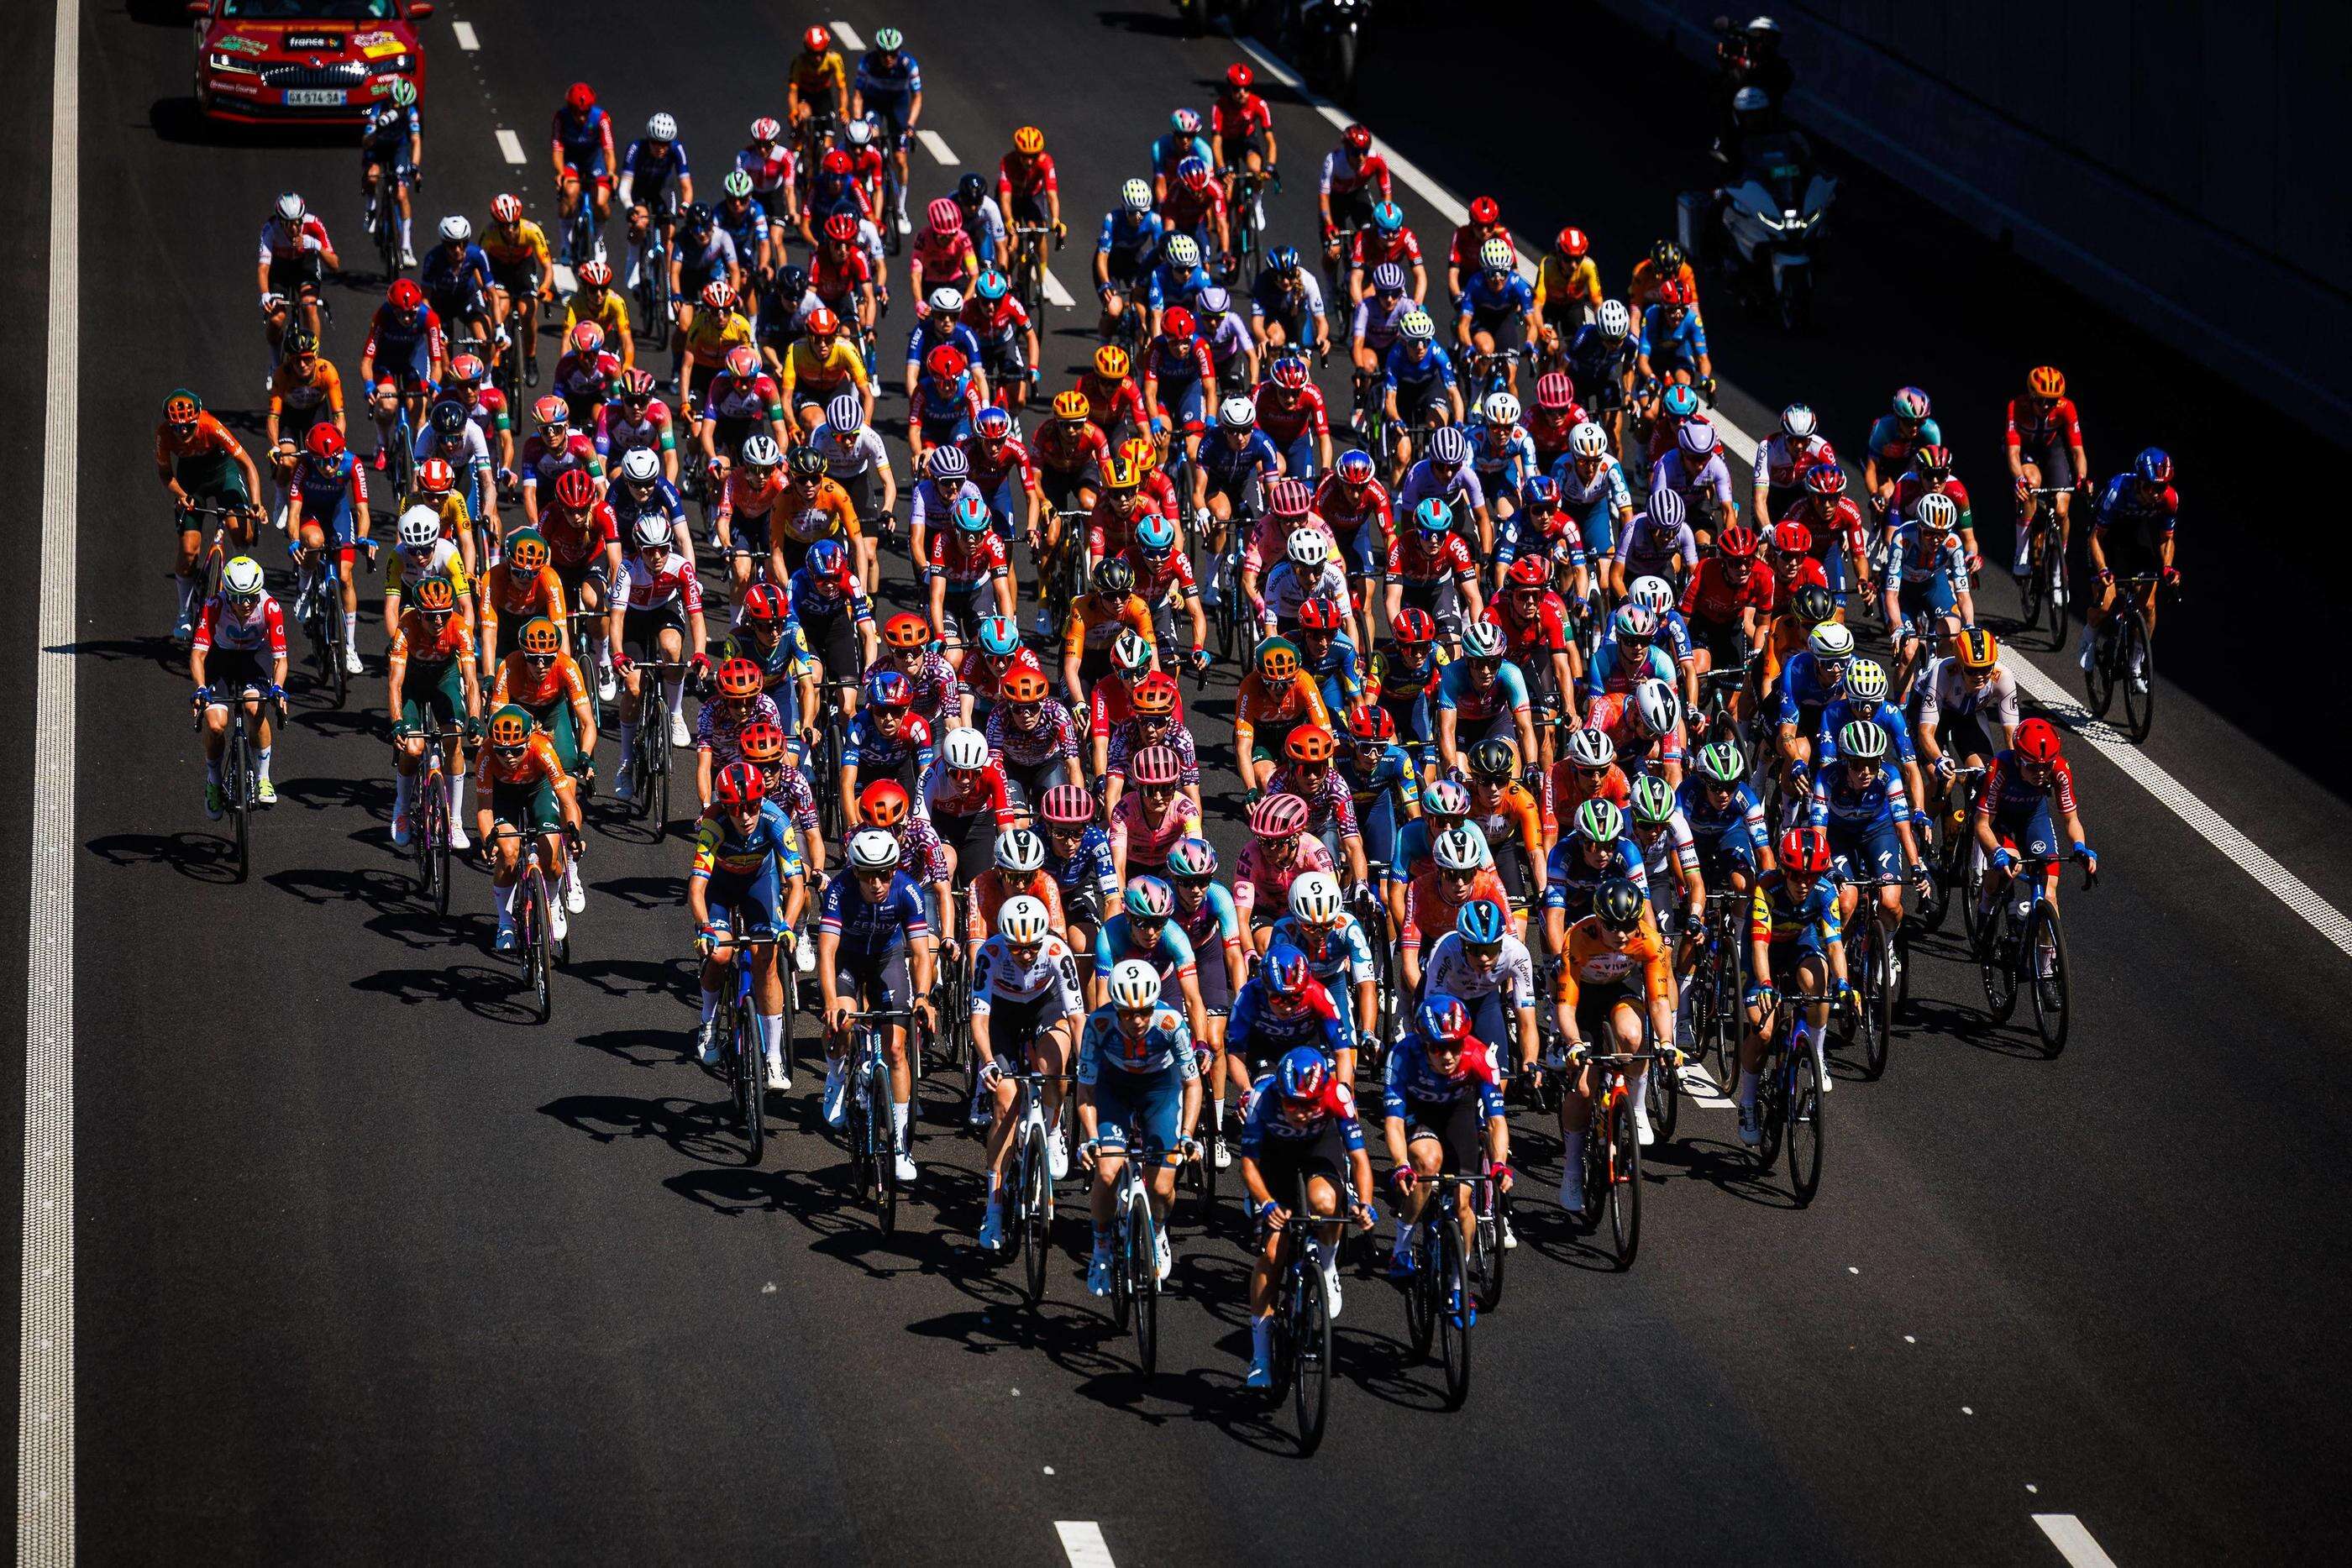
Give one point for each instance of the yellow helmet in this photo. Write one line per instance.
(1980, 650)
(1029, 142)
(1070, 405)
(1111, 362)
(1141, 451)
(1121, 472)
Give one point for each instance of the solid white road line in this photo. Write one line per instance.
(467, 39)
(846, 37)
(510, 145)
(1055, 293)
(936, 145)
(45, 1394)
(2074, 1542)
(1082, 1542)
(2208, 823)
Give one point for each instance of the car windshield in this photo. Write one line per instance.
(312, 10)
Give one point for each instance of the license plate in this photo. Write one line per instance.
(314, 98)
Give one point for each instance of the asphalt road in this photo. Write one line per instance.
(370, 1268)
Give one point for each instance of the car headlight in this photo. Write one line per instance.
(229, 65)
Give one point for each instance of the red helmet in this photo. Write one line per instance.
(552, 410)
(947, 362)
(1369, 724)
(1792, 540)
(817, 39)
(764, 602)
(1414, 628)
(738, 679)
(765, 129)
(740, 784)
(1238, 76)
(718, 294)
(1289, 372)
(883, 803)
(1288, 498)
(506, 207)
(1485, 210)
(405, 295)
(325, 442)
(1571, 242)
(841, 228)
(1319, 615)
(1737, 542)
(743, 361)
(1805, 851)
(574, 490)
(823, 323)
(1358, 138)
(466, 367)
(1193, 174)
(1178, 322)
(1530, 572)
(435, 477)
(595, 273)
(1673, 291)
(1826, 480)
(580, 97)
(2037, 740)
(836, 163)
(637, 383)
(1555, 392)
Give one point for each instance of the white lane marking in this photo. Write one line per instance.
(561, 275)
(846, 36)
(2074, 1542)
(936, 145)
(1082, 1542)
(1055, 294)
(1703, 1088)
(467, 39)
(2209, 824)
(45, 1350)
(510, 145)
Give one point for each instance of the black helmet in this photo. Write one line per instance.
(806, 461)
(448, 418)
(1494, 758)
(1619, 903)
(970, 189)
(793, 283)
(1814, 604)
(697, 218)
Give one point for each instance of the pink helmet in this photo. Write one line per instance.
(1279, 817)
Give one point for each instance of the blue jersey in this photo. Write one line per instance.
(1595, 360)
(890, 81)
(445, 272)
(724, 855)
(662, 501)
(1170, 287)
(821, 598)
(649, 171)
(1230, 468)
(1393, 770)
(1132, 240)
(1837, 715)
(1507, 691)
(1089, 864)
(2122, 503)
(865, 746)
(1490, 293)
(927, 336)
(1844, 807)
(1413, 1080)
(873, 929)
(1172, 955)
(1680, 343)
(1257, 1032)
(388, 131)
(1570, 878)
(746, 223)
(1805, 684)
(1404, 371)
(1742, 813)
(1173, 148)
(1334, 1108)
(1165, 1042)
(1337, 955)
(1610, 672)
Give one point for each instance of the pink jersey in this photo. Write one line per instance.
(1145, 842)
(1253, 876)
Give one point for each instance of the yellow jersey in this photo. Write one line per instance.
(1563, 287)
(508, 256)
(819, 76)
(714, 332)
(826, 373)
(611, 315)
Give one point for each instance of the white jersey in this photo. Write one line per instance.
(1674, 844)
(847, 456)
(1052, 971)
(1511, 975)
(1947, 692)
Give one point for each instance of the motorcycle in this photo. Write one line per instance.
(1325, 36)
(1766, 224)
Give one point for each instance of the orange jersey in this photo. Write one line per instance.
(513, 597)
(990, 890)
(805, 519)
(519, 683)
(208, 438)
(1513, 809)
(537, 765)
(321, 395)
(1294, 701)
(424, 644)
(1093, 624)
(1567, 786)
(1431, 906)
(1591, 961)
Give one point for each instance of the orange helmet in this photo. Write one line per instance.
(738, 679)
(1155, 694)
(1308, 743)
(907, 630)
(435, 597)
(1029, 142)
(2046, 381)
(1111, 362)
(762, 742)
(1024, 686)
(540, 636)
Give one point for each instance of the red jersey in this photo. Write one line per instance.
(1461, 251)
(1373, 247)
(1910, 487)
(1287, 416)
(983, 677)
(1347, 508)
(1019, 176)
(1711, 596)
(1066, 448)
(1410, 562)
(572, 541)
(1239, 116)
(1549, 431)
(991, 467)
(541, 464)
(1108, 404)
(1537, 637)
(2058, 426)
(834, 275)
(1109, 534)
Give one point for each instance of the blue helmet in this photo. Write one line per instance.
(971, 513)
(998, 634)
(994, 284)
(2154, 467)
(1481, 922)
(827, 560)
(1355, 466)
(1302, 1073)
(1388, 217)
(1284, 258)
(1155, 535)
(1285, 970)
(991, 423)
(1442, 1018)
(1680, 400)
(1433, 516)
(889, 689)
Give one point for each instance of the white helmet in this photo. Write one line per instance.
(1495, 256)
(1696, 437)
(966, 749)
(1417, 326)
(1865, 681)
(1020, 851)
(1502, 409)
(872, 849)
(1184, 251)
(1237, 414)
(1459, 849)
(1134, 984)
(456, 229)
(1483, 640)
(420, 528)
(1136, 196)
(652, 530)
(1797, 422)
(1589, 440)
(1616, 320)
(1591, 749)
(241, 578)
(661, 128)
(760, 452)
(860, 133)
(292, 208)
(1315, 898)
(1659, 707)
(639, 465)
(1022, 920)
(846, 413)
(1937, 510)
(1654, 594)
(1831, 640)
(1308, 548)
(946, 301)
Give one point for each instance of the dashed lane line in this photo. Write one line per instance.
(2073, 1540)
(467, 39)
(511, 146)
(846, 37)
(1082, 1542)
(1055, 294)
(936, 145)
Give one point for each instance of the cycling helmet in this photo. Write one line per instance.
(1414, 628)
(1184, 251)
(761, 742)
(1020, 851)
(1679, 400)
(1591, 749)
(1155, 694)
(737, 184)
(1666, 510)
(1654, 594)
(435, 596)
(1865, 681)
(241, 579)
(1831, 643)
(1319, 615)
(1937, 511)
(1067, 805)
(1495, 256)
(1719, 762)
(1797, 422)
(448, 418)
(1129, 652)
(1634, 624)
(883, 803)
(1110, 364)
(1278, 816)
(1387, 278)
(2046, 381)
(971, 516)
(946, 362)
(1792, 540)
(1149, 898)
(1278, 659)
(1814, 603)
(1502, 410)
(1114, 578)
(1192, 860)
(526, 548)
(1417, 327)
(1025, 922)
(1910, 403)
(1613, 319)
(1933, 464)
(738, 784)
(2037, 740)
(1619, 903)
(965, 750)
(1696, 439)
(1289, 498)
(1135, 197)
(456, 229)
(1369, 724)
(403, 92)
(1288, 373)
(420, 528)
(1805, 851)
(1024, 687)
(949, 464)
(1388, 217)
(1978, 650)
(1315, 898)
(1589, 440)
(1447, 447)
(1481, 923)
(846, 413)
(1302, 1074)
(1310, 743)
(1666, 257)
(324, 442)
(405, 295)
(889, 690)
(1659, 708)
(540, 637)
(1459, 847)
(1826, 480)
(761, 452)
(827, 560)
(1446, 800)
(1176, 322)
(1157, 767)
(594, 274)
(1654, 801)
(763, 602)
(1494, 759)
(661, 128)
(1134, 986)
(807, 464)
(1738, 542)
(1307, 549)
(872, 849)
(1236, 414)
(1555, 392)
(1600, 821)
(1354, 467)
(1862, 740)
(1483, 640)
(907, 630)
(1000, 637)
(718, 294)
(1285, 974)
(1673, 294)
(2153, 467)
(1571, 242)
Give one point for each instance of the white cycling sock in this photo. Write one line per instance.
(350, 628)
(457, 796)
(261, 759)
(407, 231)
(771, 1034)
(899, 1112)
(677, 694)
(709, 1005)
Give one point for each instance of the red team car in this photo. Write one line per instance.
(303, 62)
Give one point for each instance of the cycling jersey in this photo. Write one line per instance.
(724, 853)
(1052, 738)
(1164, 1046)
(1413, 1080)
(818, 75)
(999, 974)
(1257, 1032)
(1595, 963)
(670, 582)
(873, 929)
(1776, 915)
(1257, 879)
(1450, 969)
(1458, 692)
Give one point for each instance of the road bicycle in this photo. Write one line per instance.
(1714, 1015)
(1137, 1242)
(1612, 1144)
(1028, 1189)
(319, 593)
(1789, 1103)
(537, 946)
(1445, 1292)
(428, 818)
(868, 1130)
(1248, 220)
(1028, 268)
(1301, 1355)
(239, 776)
(2023, 950)
(1874, 959)
(2043, 589)
(736, 1025)
(648, 765)
(2123, 658)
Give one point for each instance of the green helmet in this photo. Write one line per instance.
(1654, 801)
(1600, 821)
(1719, 762)
(890, 41)
(403, 92)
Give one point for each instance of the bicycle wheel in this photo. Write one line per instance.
(2099, 680)
(2045, 952)
(1730, 1018)
(1624, 1183)
(1456, 1311)
(750, 1081)
(1421, 1286)
(2033, 593)
(882, 1132)
(1772, 1100)
(2139, 691)
(859, 1138)
(1805, 1132)
(1998, 964)
(1310, 1348)
(661, 760)
(539, 946)
(237, 780)
(1036, 1210)
(1486, 1247)
(1877, 1000)
(1665, 1099)
(1144, 1280)
(1968, 891)
(641, 761)
(2053, 597)
(1934, 897)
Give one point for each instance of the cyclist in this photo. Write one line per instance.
(656, 615)
(1308, 776)
(1494, 314)
(1726, 820)
(1485, 965)
(1028, 191)
(1444, 1106)
(1339, 953)
(1608, 954)
(429, 673)
(1727, 604)
(1506, 814)
(884, 740)
(1783, 461)
(1300, 1135)
(1146, 821)
(1812, 680)
(1930, 474)
(1380, 777)
(1600, 366)
(425, 538)
(392, 158)
(1533, 620)
(2132, 536)
(1024, 995)
(581, 146)
(875, 951)
(1178, 374)
(633, 420)
(521, 586)
(1138, 1097)
(1482, 695)
(294, 258)
(1967, 707)
(1287, 308)
(1355, 179)
(1906, 427)
(404, 341)
(1596, 850)
(1460, 869)
(237, 654)
(1672, 347)
(738, 701)
(889, 91)
(1036, 740)
(586, 374)
(1865, 696)
(520, 270)
(1694, 472)
(545, 682)
(2045, 448)
(326, 508)
(1126, 252)
(1007, 338)
(816, 85)
(1417, 387)
(1431, 572)
(1865, 807)
(2014, 810)
(1926, 588)
(746, 861)
(522, 791)
(1793, 930)
(304, 390)
(1277, 697)
(1568, 289)
(1280, 849)
(758, 238)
